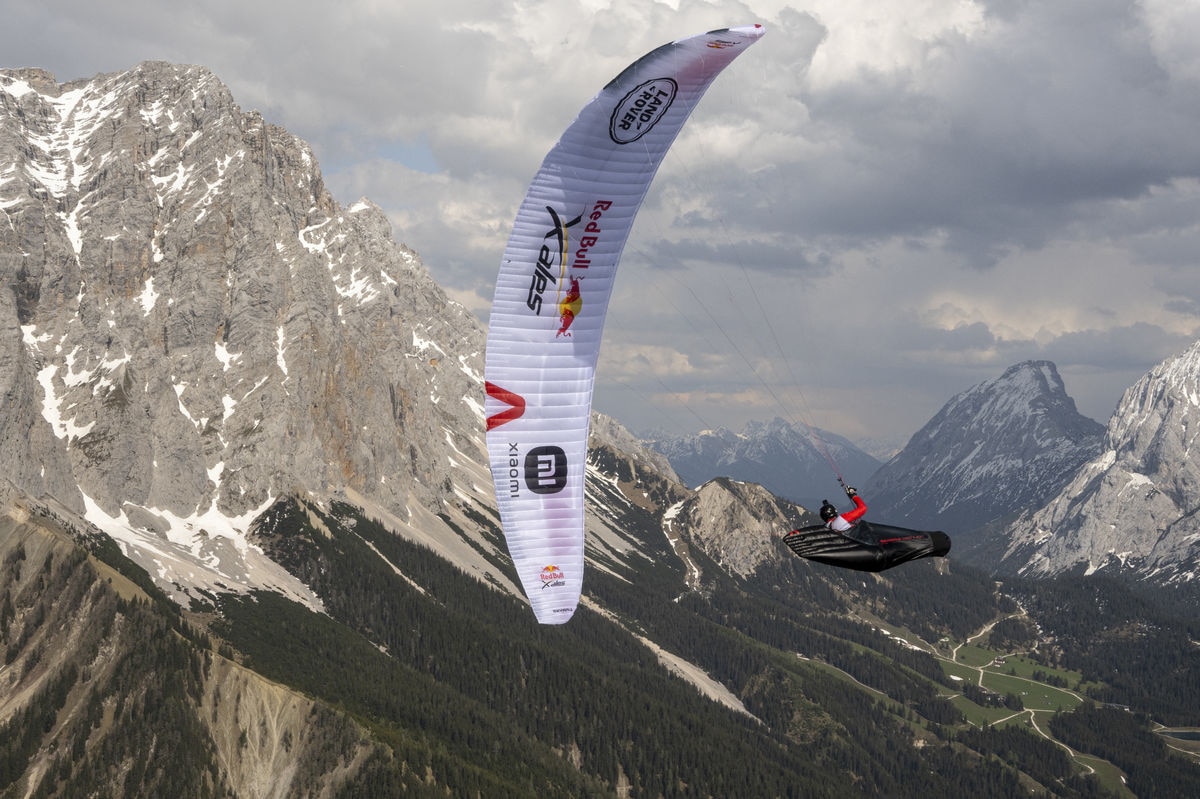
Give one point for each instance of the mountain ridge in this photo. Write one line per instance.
(788, 462)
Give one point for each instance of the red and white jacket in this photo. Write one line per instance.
(843, 522)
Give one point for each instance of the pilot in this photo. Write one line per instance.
(841, 522)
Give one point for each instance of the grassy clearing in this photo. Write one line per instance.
(1109, 775)
(972, 655)
(125, 588)
(1023, 666)
(978, 716)
(1034, 695)
(964, 673)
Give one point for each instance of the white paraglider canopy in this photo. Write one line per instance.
(552, 293)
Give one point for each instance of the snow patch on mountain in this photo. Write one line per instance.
(205, 553)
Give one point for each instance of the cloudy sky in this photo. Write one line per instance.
(876, 207)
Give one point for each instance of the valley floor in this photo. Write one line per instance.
(1042, 690)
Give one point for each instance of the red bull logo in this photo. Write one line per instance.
(568, 308)
(571, 303)
(552, 577)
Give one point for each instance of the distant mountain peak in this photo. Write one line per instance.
(1000, 447)
(773, 454)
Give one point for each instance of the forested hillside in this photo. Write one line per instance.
(422, 680)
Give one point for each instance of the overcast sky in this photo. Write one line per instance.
(876, 207)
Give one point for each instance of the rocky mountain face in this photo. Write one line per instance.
(192, 328)
(998, 448)
(736, 543)
(196, 341)
(1131, 509)
(786, 461)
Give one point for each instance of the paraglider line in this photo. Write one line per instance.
(817, 442)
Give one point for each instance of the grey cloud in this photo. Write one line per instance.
(1127, 347)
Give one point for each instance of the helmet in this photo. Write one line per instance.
(827, 511)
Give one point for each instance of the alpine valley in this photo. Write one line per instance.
(249, 545)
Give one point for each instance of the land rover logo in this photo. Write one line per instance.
(641, 109)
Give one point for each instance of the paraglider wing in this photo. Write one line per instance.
(551, 296)
(867, 547)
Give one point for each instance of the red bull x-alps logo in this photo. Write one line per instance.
(557, 264)
(551, 266)
(552, 577)
(641, 109)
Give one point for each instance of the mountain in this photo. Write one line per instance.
(1001, 447)
(248, 544)
(195, 328)
(774, 454)
(1131, 510)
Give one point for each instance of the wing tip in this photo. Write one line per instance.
(754, 31)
